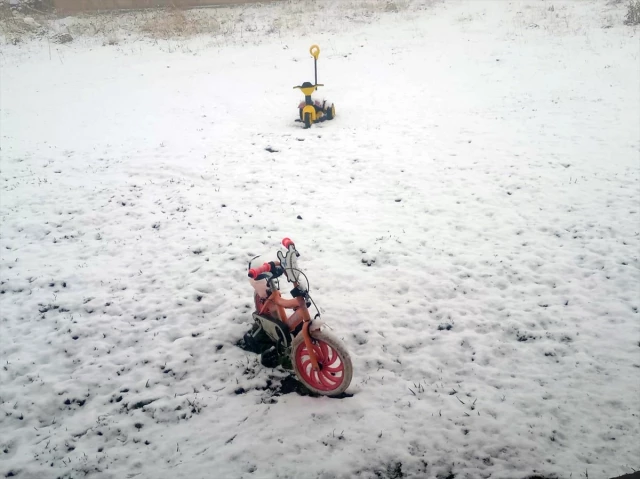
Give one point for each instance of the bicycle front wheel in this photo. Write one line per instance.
(334, 360)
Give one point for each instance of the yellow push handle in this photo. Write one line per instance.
(315, 51)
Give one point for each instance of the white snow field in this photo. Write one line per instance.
(470, 225)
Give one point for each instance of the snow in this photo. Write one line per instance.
(468, 223)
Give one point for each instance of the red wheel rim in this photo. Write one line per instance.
(331, 374)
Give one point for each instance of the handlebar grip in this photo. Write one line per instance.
(287, 242)
(255, 272)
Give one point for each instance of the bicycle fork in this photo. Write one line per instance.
(307, 341)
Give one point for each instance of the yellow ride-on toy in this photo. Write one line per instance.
(314, 111)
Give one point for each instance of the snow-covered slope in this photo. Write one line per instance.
(469, 224)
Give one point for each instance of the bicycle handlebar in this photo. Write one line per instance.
(255, 272)
(270, 267)
(287, 242)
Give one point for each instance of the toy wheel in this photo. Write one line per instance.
(270, 358)
(307, 120)
(336, 369)
(331, 112)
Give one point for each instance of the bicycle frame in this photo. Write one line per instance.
(300, 315)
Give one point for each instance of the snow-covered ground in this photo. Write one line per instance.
(470, 225)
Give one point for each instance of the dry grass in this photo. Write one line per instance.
(241, 22)
(14, 28)
(179, 23)
(633, 13)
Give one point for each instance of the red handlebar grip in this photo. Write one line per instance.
(287, 242)
(255, 272)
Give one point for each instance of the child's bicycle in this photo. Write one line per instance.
(319, 359)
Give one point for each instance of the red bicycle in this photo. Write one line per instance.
(319, 359)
